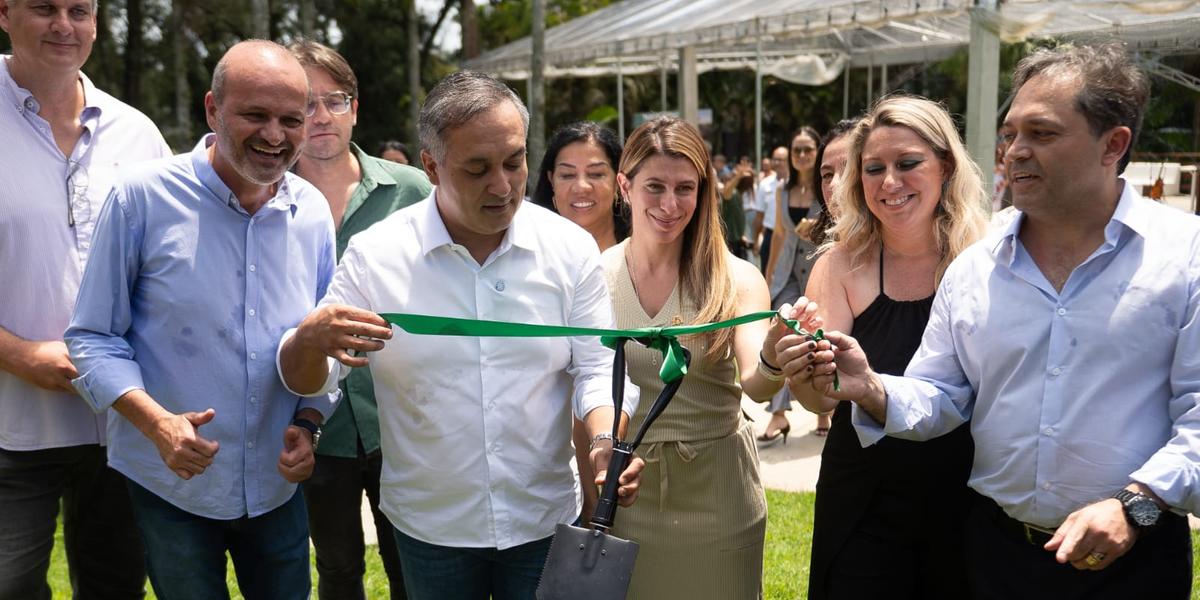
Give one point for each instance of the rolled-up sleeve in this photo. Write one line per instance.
(1173, 471)
(341, 288)
(592, 363)
(324, 400)
(934, 396)
(95, 337)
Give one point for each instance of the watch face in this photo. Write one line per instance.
(1144, 512)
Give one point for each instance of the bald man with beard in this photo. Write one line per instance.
(200, 262)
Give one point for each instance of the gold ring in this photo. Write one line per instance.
(1094, 559)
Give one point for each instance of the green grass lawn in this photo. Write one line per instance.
(785, 571)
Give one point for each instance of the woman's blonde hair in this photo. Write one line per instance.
(704, 271)
(959, 219)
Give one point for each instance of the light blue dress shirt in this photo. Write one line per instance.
(186, 296)
(1071, 395)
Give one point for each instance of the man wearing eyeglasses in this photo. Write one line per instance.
(63, 140)
(200, 263)
(361, 190)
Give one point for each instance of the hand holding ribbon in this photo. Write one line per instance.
(663, 339)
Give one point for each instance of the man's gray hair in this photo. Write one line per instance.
(456, 100)
(1112, 91)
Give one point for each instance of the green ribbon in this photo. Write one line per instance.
(663, 339)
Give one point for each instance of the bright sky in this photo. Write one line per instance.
(449, 36)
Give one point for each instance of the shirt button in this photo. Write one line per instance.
(30, 104)
(1056, 371)
(253, 356)
(1048, 431)
(253, 399)
(1046, 485)
(499, 286)
(253, 268)
(249, 444)
(252, 312)
(1062, 311)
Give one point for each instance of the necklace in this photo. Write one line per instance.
(675, 320)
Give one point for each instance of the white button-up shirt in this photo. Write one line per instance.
(1073, 394)
(765, 200)
(476, 432)
(41, 254)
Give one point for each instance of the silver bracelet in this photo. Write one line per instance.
(601, 437)
(768, 374)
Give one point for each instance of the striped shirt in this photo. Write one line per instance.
(41, 254)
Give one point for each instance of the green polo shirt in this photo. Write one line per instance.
(385, 188)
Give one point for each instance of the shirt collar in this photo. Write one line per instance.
(1131, 213)
(373, 175)
(520, 233)
(283, 199)
(92, 106)
(24, 101)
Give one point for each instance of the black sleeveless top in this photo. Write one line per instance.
(798, 213)
(899, 490)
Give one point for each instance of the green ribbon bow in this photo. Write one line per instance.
(663, 339)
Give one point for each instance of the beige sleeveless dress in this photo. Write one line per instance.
(700, 516)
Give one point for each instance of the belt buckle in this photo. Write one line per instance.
(1029, 529)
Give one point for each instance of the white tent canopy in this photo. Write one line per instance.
(813, 41)
(646, 35)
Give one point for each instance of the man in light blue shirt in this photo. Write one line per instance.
(1070, 340)
(200, 263)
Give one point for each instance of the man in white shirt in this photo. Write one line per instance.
(63, 141)
(476, 432)
(764, 221)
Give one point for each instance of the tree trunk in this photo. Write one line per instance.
(182, 133)
(537, 98)
(470, 29)
(260, 19)
(308, 18)
(131, 88)
(412, 62)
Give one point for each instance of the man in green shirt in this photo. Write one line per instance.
(361, 191)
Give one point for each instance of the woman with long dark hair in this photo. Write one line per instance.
(578, 180)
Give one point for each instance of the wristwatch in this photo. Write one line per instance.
(1140, 510)
(312, 428)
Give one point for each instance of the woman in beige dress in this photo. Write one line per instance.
(700, 518)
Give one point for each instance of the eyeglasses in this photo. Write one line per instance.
(337, 103)
(77, 185)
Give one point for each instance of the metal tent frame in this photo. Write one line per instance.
(813, 41)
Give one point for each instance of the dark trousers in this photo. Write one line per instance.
(104, 553)
(334, 498)
(764, 251)
(434, 572)
(185, 553)
(1003, 565)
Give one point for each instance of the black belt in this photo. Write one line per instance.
(1034, 535)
